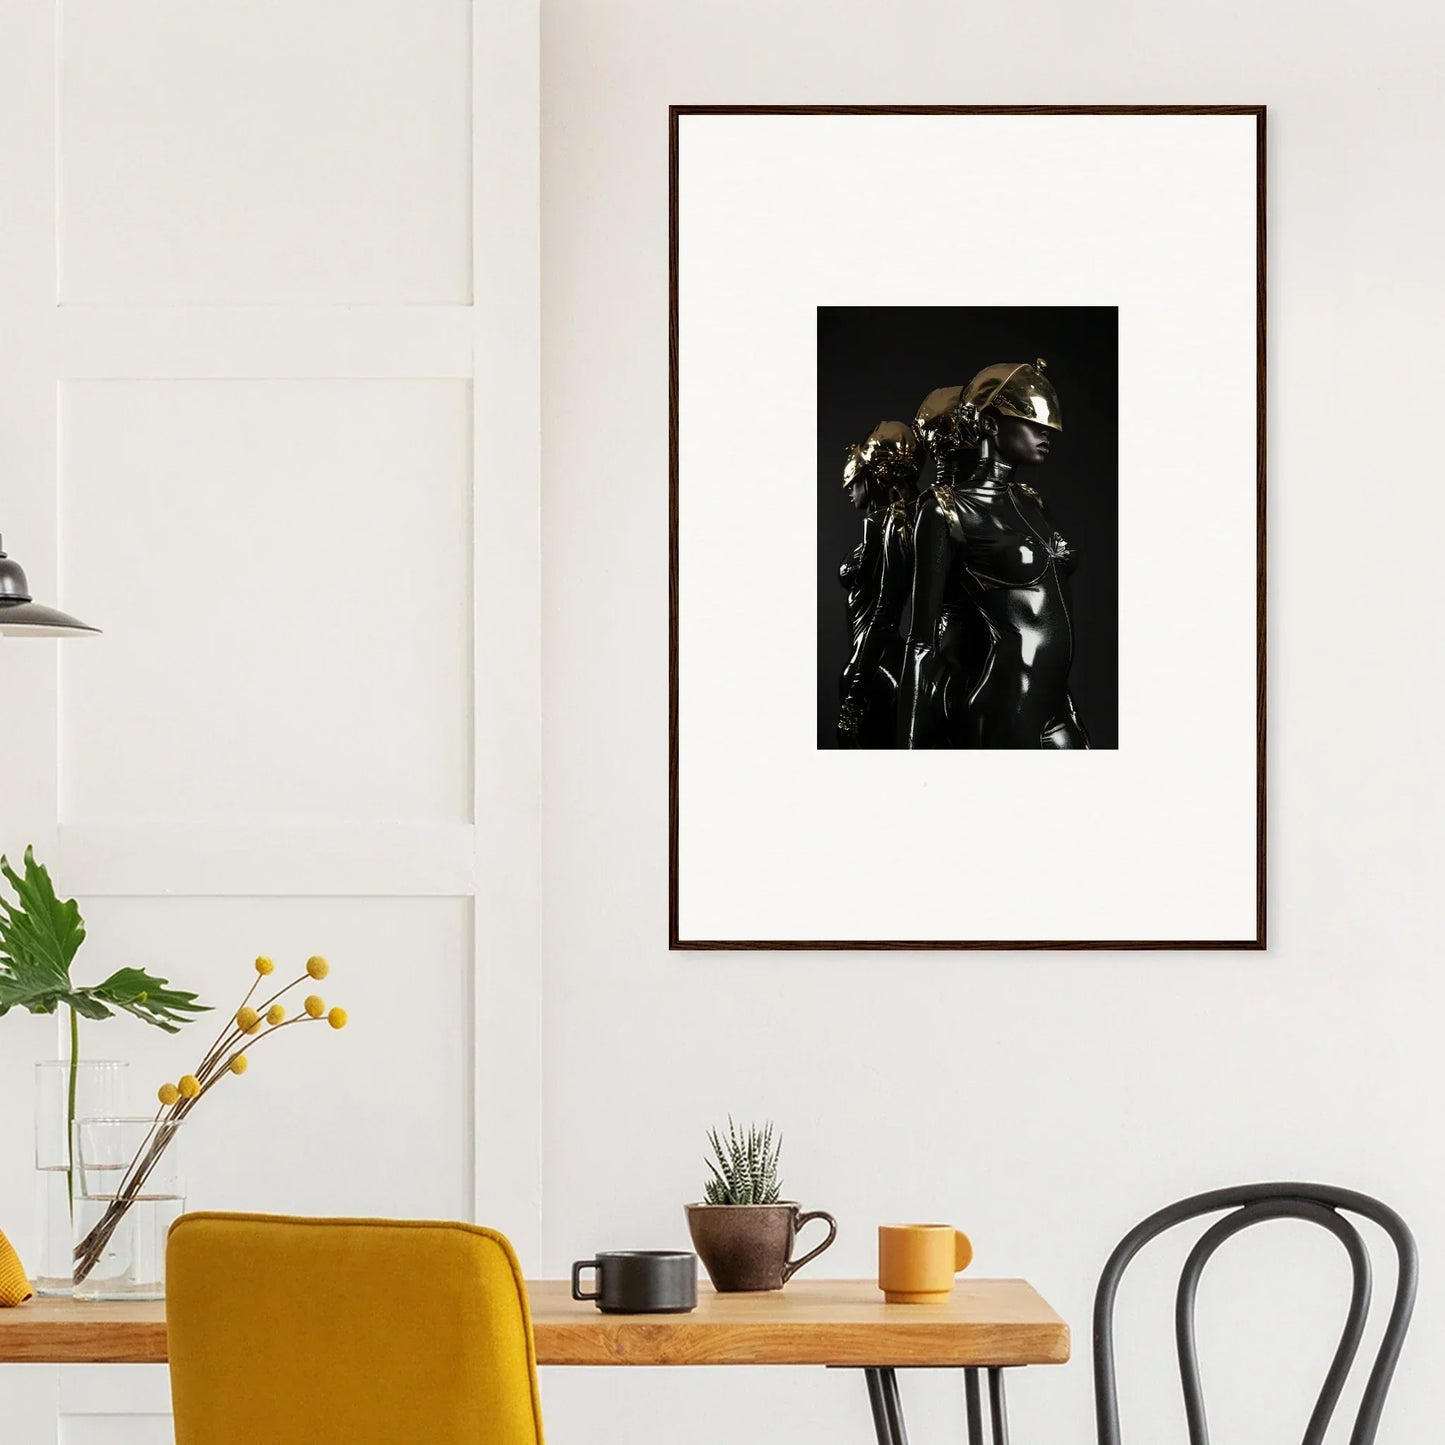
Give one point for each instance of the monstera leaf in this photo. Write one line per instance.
(39, 937)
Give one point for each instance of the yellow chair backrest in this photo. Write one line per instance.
(352, 1331)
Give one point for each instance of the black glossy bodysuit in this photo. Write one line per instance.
(987, 552)
(876, 573)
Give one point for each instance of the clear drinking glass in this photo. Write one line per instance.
(98, 1089)
(128, 1193)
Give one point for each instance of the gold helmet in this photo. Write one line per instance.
(1016, 389)
(891, 451)
(936, 420)
(887, 458)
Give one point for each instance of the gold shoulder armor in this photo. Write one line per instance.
(946, 500)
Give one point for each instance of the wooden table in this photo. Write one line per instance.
(987, 1324)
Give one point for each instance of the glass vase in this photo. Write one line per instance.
(98, 1085)
(128, 1193)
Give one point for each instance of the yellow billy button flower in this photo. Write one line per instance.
(337, 1018)
(239, 1064)
(264, 966)
(190, 1087)
(275, 1015)
(317, 966)
(248, 1020)
(315, 1005)
(168, 1094)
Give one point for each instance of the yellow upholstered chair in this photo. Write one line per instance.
(347, 1332)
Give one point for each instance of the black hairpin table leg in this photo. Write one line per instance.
(887, 1407)
(975, 1407)
(998, 1406)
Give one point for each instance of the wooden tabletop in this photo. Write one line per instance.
(812, 1322)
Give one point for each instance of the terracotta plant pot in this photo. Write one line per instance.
(749, 1246)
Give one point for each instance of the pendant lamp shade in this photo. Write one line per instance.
(22, 616)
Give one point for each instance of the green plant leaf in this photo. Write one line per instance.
(39, 937)
(86, 1005)
(39, 933)
(33, 997)
(146, 996)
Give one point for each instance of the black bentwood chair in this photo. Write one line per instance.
(1252, 1203)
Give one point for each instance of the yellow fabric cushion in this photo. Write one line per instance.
(353, 1331)
(14, 1286)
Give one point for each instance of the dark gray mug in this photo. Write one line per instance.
(640, 1281)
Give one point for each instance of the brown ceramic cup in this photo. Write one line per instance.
(748, 1247)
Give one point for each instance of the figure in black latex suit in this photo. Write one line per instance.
(939, 427)
(986, 550)
(881, 480)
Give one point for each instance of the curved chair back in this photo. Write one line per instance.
(1252, 1203)
(352, 1331)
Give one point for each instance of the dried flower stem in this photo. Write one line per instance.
(218, 1060)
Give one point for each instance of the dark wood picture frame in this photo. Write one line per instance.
(1258, 942)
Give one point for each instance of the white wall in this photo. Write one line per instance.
(297, 293)
(1043, 1102)
(268, 417)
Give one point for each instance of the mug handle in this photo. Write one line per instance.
(794, 1265)
(577, 1279)
(962, 1251)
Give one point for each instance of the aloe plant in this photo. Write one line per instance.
(744, 1166)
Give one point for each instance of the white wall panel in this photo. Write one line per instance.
(283, 569)
(28, 736)
(266, 341)
(507, 398)
(31, 1403)
(288, 860)
(114, 1390)
(265, 151)
(109, 1429)
(251, 419)
(27, 402)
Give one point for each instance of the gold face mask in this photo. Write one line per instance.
(1016, 389)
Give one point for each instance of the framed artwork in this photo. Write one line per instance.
(967, 424)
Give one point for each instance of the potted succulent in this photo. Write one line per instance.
(742, 1230)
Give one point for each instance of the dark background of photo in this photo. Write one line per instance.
(877, 363)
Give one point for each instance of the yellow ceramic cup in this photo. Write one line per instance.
(917, 1262)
